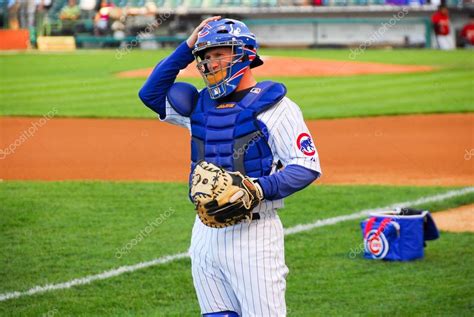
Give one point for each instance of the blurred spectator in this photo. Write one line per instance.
(467, 33)
(71, 11)
(440, 21)
(13, 6)
(44, 4)
(151, 8)
(42, 8)
(118, 29)
(27, 13)
(87, 9)
(301, 2)
(69, 16)
(102, 18)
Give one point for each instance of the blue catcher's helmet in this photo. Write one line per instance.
(226, 33)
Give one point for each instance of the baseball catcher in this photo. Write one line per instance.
(250, 148)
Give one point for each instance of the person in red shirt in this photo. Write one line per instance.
(102, 18)
(441, 26)
(467, 33)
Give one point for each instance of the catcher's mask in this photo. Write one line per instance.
(224, 79)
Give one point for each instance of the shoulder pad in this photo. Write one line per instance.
(183, 97)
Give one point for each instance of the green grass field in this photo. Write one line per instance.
(53, 232)
(83, 84)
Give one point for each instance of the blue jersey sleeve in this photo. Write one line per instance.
(154, 91)
(292, 179)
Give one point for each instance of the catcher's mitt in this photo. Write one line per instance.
(223, 198)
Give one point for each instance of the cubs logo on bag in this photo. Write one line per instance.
(376, 244)
(377, 241)
(397, 235)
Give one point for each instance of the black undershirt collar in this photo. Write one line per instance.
(236, 96)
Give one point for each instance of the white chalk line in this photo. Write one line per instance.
(363, 213)
(90, 278)
(170, 258)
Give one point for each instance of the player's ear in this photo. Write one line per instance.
(183, 98)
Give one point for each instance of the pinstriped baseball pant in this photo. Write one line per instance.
(240, 268)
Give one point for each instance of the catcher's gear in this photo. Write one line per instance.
(228, 33)
(223, 198)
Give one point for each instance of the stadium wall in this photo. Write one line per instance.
(338, 26)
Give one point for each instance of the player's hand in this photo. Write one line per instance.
(194, 36)
(223, 198)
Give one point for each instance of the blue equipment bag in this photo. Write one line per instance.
(398, 235)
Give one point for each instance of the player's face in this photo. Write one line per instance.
(218, 58)
(215, 63)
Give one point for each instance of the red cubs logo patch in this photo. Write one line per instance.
(376, 244)
(305, 144)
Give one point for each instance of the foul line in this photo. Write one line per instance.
(363, 213)
(170, 258)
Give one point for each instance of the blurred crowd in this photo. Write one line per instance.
(69, 17)
(31, 13)
(103, 17)
(442, 29)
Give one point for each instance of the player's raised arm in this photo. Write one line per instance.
(155, 90)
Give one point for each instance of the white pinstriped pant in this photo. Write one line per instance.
(240, 268)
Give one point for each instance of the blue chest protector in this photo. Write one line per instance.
(229, 134)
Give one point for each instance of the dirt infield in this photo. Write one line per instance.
(301, 67)
(459, 219)
(411, 150)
